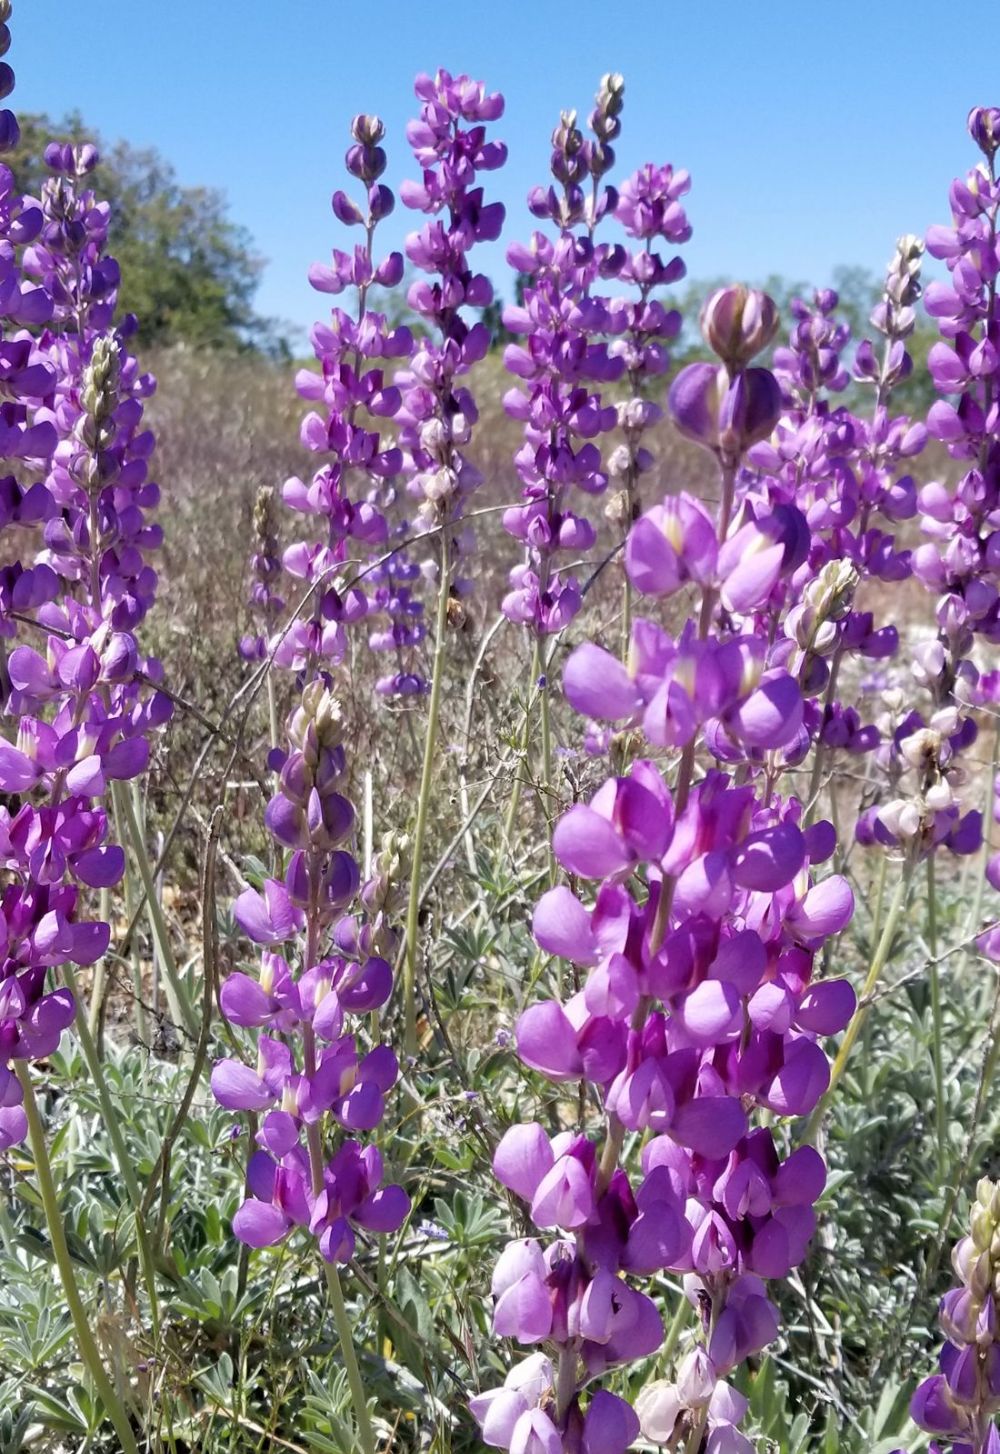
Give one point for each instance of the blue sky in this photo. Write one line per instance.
(814, 132)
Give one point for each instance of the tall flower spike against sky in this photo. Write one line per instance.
(689, 94)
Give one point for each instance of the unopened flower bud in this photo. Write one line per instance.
(696, 1379)
(693, 402)
(749, 412)
(984, 128)
(737, 323)
(659, 1410)
(618, 510)
(367, 130)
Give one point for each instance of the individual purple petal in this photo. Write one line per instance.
(535, 1433)
(385, 1210)
(710, 1011)
(100, 868)
(598, 685)
(587, 844)
(561, 925)
(803, 1078)
(932, 1409)
(564, 1197)
(85, 778)
(239, 1088)
(279, 1133)
(259, 1224)
(17, 772)
(546, 1041)
(653, 564)
(13, 1126)
(522, 1158)
(826, 1007)
(800, 1179)
(524, 1311)
(497, 1413)
(770, 858)
(127, 759)
(824, 910)
(89, 942)
(267, 918)
(243, 1002)
(772, 715)
(710, 1125)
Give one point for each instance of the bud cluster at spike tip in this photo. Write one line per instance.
(81, 693)
(356, 351)
(562, 357)
(438, 413)
(327, 948)
(921, 758)
(649, 209)
(574, 339)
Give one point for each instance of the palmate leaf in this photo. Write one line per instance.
(16, 1416)
(72, 1412)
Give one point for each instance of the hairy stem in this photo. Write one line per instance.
(53, 1216)
(546, 765)
(510, 820)
(423, 805)
(876, 967)
(180, 1009)
(937, 1052)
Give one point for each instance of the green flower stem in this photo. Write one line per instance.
(50, 1201)
(510, 820)
(345, 1332)
(98, 988)
(876, 967)
(681, 1316)
(180, 1009)
(866, 1041)
(112, 1124)
(546, 764)
(272, 712)
(141, 1025)
(937, 1051)
(423, 805)
(976, 914)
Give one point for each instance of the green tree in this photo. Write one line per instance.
(189, 273)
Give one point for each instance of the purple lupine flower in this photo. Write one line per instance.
(920, 804)
(311, 1071)
(404, 628)
(344, 496)
(959, 560)
(805, 499)
(561, 359)
(264, 603)
(695, 947)
(438, 413)
(79, 689)
(650, 210)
